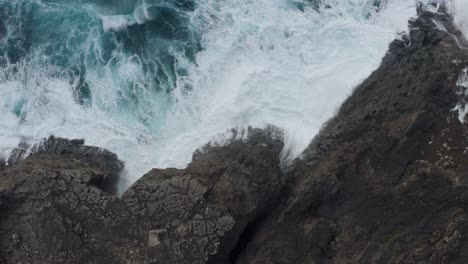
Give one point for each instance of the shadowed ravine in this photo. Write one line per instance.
(383, 182)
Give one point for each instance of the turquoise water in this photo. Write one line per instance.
(67, 39)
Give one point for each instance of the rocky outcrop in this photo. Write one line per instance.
(103, 160)
(55, 209)
(199, 214)
(384, 182)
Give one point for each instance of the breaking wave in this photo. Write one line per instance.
(154, 80)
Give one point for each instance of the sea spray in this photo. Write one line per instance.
(459, 9)
(156, 87)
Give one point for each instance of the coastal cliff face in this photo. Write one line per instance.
(384, 182)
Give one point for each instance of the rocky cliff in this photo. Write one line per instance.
(385, 181)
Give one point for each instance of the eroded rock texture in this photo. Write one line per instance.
(55, 208)
(385, 181)
(197, 215)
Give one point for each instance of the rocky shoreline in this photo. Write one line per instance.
(385, 181)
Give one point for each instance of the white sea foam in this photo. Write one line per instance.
(459, 9)
(116, 22)
(267, 63)
(462, 86)
(263, 62)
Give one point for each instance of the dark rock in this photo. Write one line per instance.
(198, 214)
(102, 159)
(77, 141)
(54, 210)
(54, 206)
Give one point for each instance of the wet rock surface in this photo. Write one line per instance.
(385, 181)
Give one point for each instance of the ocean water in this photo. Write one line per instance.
(154, 80)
